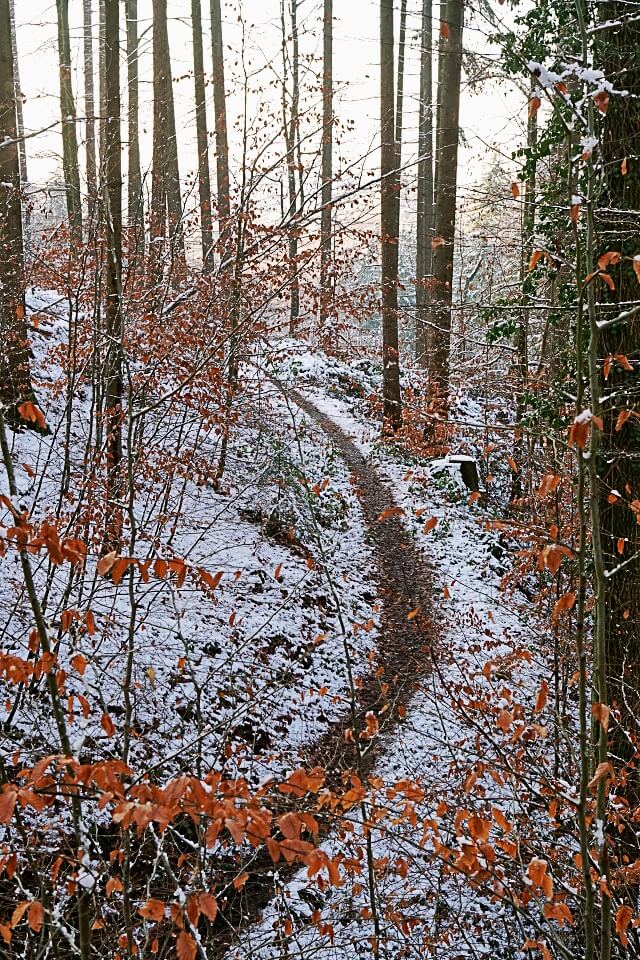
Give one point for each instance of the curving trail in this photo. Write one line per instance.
(404, 580)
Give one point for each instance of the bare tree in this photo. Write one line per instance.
(389, 221)
(445, 206)
(69, 134)
(222, 141)
(424, 218)
(521, 338)
(135, 199)
(204, 179)
(22, 146)
(89, 107)
(291, 129)
(15, 383)
(327, 162)
(166, 202)
(113, 311)
(400, 98)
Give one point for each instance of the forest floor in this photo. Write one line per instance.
(360, 587)
(454, 639)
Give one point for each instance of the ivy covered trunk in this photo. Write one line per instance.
(619, 230)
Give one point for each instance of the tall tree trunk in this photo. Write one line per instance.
(15, 382)
(400, 102)
(445, 206)
(102, 108)
(424, 218)
(135, 200)
(442, 10)
(222, 142)
(166, 174)
(389, 202)
(618, 223)
(158, 218)
(204, 179)
(327, 163)
(69, 134)
(22, 146)
(90, 108)
(291, 127)
(113, 310)
(521, 339)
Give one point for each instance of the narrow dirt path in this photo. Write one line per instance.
(405, 584)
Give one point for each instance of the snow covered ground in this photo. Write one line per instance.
(245, 677)
(450, 743)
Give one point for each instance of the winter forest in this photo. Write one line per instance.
(319, 479)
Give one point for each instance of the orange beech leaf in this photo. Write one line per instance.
(240, 881)
(501, 820)
(608, 280)
(611, 257)
(107, 725)
(106, 563)
(580, 428)
(504, 721)
(437, 242)
(186, 948)
(559, 912)
(534, 106)
(536, 871)
(549, 484)
(79, 663)
(290, 825)
(601, 100)
(35, 916)
(208, 905)
(541, 700)
(474, 497)
(431, 524)
(624, 167)
(445, 31)
(479, 828)
(19, 912)
(624, 362)
(113, 885)
(5, 933)
(274, 849)
(277, 571)
(575, 212)
(601, 712)
(624, 915)
(566, 602)
(515, 190)
(32, 413)
(211, 580)
(604, 770)
(160, 568)
(534, 259)
(372, 723)
(152, 910)
(7, 803)
(391, 512)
